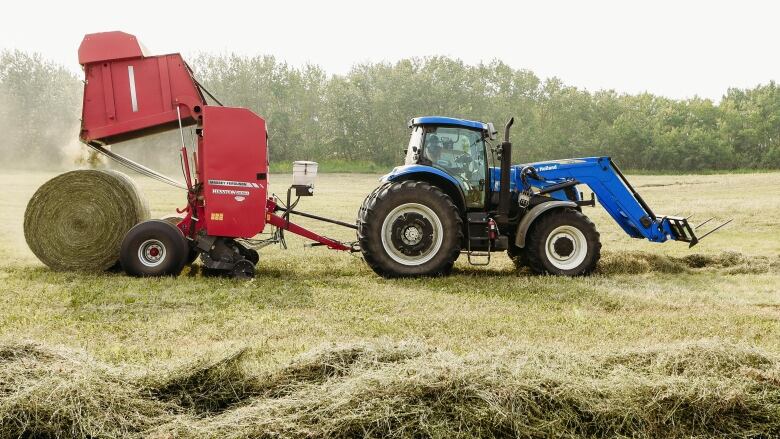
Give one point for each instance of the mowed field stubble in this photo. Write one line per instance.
(662, 340)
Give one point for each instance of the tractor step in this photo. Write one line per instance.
(479, 238)
(472, 256)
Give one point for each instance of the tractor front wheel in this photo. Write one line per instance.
(410, 229)
(563, 242)
(153, 248)
(516, 254)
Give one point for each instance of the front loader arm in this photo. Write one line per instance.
(618, 197)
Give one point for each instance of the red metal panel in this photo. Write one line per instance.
(142, 94)
(130, 96)
(107, 46)
(233, 167)
(108, 93)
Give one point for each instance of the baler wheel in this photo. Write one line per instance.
(193, 254)
(410, 229)
(563, 242)
(243, 269)
(153, 248)
(248, 253)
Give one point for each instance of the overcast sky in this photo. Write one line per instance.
(672, 48)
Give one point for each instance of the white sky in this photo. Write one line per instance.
(672, 48)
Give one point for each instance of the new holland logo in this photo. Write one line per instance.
(230, 192)
(547, 168)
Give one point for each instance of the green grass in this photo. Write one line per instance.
(657, 343)
(335, 167)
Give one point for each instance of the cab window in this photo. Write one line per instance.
(461, 153)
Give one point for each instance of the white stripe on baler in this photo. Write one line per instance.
(133, 98)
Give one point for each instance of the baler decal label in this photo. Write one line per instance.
(234, 183)
(133, 97)
(229, 192)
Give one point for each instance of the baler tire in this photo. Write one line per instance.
(424, 206)
(146, 241)
(193, 254)
(578, 229)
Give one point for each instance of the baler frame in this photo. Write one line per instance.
(227, 199)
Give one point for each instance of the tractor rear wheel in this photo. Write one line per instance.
(409, 229)
(153, 248)
(563, 242)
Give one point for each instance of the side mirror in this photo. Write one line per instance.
(492, 133)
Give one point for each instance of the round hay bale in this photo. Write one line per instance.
(77, 220)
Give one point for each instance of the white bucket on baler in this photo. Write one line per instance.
(304, 173)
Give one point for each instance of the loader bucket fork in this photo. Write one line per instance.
(684, 232)
(679, 226)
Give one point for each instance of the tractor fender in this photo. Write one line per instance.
(533, 214)
(436, 177)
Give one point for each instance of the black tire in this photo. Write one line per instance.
(425, 216)
(518, 255)
(370, 198)
(563, 242)
(193, 254)
(248, 253)
(153, 248)
(244, 269)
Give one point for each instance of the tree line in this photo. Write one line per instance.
(362, 116)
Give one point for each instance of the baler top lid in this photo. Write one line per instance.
(108, 46)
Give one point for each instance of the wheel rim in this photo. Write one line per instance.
(412, 234)
(566, 247)
(152, 252)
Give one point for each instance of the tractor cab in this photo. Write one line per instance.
(457, 147)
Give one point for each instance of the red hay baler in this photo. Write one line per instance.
(129, 94)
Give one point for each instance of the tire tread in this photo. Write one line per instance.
(368, 220)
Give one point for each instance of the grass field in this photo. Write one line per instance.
(657, 343)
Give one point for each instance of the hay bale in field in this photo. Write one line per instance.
(77, 220)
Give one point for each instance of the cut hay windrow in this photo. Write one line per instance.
(702, 389)
(639, 262)
(77, 220)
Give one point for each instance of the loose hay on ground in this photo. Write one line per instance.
(77, 220)
(635, 262)
(400, 390)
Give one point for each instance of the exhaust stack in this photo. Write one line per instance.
(502, 218)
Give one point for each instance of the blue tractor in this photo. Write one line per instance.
(447, 199)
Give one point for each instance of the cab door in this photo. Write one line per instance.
(460, 152)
